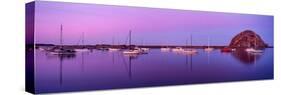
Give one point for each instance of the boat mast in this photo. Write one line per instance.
(255, 42)
(61, 29)
(130, 33)
(208, 42)
(82, 38)
(191, 40)
(113, 40)
(186, 43)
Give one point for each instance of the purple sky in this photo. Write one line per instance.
(102, 23)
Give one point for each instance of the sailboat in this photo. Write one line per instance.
(189, 50)
(165, 49)
(209, 49)
(227, 49)
(61, 49)
(131, 51)
(253, 50)
(83, 49)
(112, 48)
(177, 49)
(143, 49)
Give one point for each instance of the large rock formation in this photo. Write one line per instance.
(247, 38)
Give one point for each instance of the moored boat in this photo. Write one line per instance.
(177, 49)
(226, 49)
(83, 49)
(253, 50)
(209, 49)
(132, 51)
(112, 48)
(61, 49)
(165, 49)
(189, 50)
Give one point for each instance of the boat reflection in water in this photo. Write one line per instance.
(128, 64)
(246, 57)
(107, 70)
(61, 58)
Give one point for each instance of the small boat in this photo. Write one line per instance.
(189, 50)
(177, 49)
(209, 49)
(141, 50)
(41, 49)
(145, 49)
(132, 51)
(61, 50)
(83, 49)
(112, 49)
(226, 49)
(166, 49)
(252, 50)
(103, 48)
(132, 54)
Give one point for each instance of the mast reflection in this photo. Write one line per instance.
(62, 57)
(129, 69)
(188, 61)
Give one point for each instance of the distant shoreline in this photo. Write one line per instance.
(141, 46)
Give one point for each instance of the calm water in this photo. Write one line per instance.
(106, 70)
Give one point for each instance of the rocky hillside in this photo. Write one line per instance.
(248, 38)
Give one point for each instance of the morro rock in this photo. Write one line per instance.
(247, 38)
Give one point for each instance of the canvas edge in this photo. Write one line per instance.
(29, 47)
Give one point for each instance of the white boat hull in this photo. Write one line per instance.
(82, 50)
(113, 49)
(131, 52)
(190, 51)
(165, 49)
(252, 50)
(209, 49)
